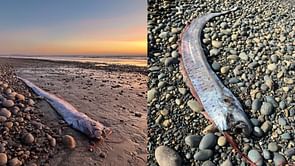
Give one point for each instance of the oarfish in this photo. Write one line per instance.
(74, 118)
(222, 107)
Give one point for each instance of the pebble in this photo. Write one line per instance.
(256, 104)
(69, 141)
(193, 140)
(221, 141)
(208, 163)
(266, 154)
(208, 141)
(224, 69)
(266, 126)
(282, 121)
(166, 156)
(279, 159)
(8, 103)
(216, 66)
(203, 155)
(227, 162)
(214, 52)
(266, 108)
(28, 138)
(3, 159)
(20, 97)
(290, 152)
(286, 136)
(273, 147)
(14, 162)
(194, 105)
(255, 156)
(151, 94)
(169, 61)
(257, 132)
(272, 67)
(216, 44)
(5, 112)
(243, 56)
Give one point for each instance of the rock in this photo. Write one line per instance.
(290, 152)
(255, 121)
(224, 69)
(194, 105)
(221, 141)
(273, 147)
(165, 156)
(216, 44)
(208, 163)
(214, 52)
(266, 126)
(266, 154)
(243, 56)
(227, 162)
(255, 156)
(193, 140)
(279, 159)
(166, 123)
(208, 141)
(266, 108)
(52, 142)
(216, 66)
(14, 162)
(2, 149)
(69, 141)
(3, 159)
(151, 94)
(8, 103)
(256, 104)
(211, 128)
(20, 97)
(169, 61)
(28, 138)
(286, 136)
(2, 119)
(163, 35)
(257, 132)
(5, 112)
(31, 102)
(282, 121)
(203, 155)
(272, 67)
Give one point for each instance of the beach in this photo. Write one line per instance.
(111, 94)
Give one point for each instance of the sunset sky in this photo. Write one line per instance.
(73, 27)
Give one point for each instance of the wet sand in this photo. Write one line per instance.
(111, 95)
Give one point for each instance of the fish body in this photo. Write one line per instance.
(71, 115)
(218, 101)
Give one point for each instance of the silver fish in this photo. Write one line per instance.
(74, 118)
(218, 101)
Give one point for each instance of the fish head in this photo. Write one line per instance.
(236, 117)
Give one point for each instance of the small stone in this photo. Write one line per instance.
(255, 121)
(2, 119)
(14, 162)
(3, 159)
(69, 141)
(282, 121)
(164, 112)
(216, 66)
(290, 152)
(166, 156)
(193, 140)
(273, 147)
(208, 141)
(211, 128)
(8, 103)
(272, 67)
(224, 69)
(214, 52)
(166, 123)
(20, 97)
(286, 136)
(151, 94)
(221, 141)
(255, 156)
(266, 108)
(5, 112)
(257, 132)
(208, 163)
(227, 162)
(31, 102)
(194, 105)
(279, 159)
(28, 138)
(266, 126)
(169, 61)
(52, 142)
(216, 44)
(266, 154)
(243, 56)
(203, 155)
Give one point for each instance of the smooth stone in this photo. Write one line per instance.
(282, 105)
(194, 105)
(256, 104)
(227, 162)
(282, 121)
(216, 44)
(8, 103)
(216, 66)
(69, 141)
(28, 139)
(221, 141)
(163, 35)
(233, 80)
(279, 159)
(14, 162)
(272, 67)
(243, 56)
(255, 156)
(290, 152)
(5, 112)
(3, 159)
(20, 97)
(169, 61)
(266, 154)
(151, 94)
(193, 140)
(255, 121)
(266, 126)
(266, 108)
(31, 102)
(257, 132)
(286, 136)
(208, 163)
(214, 52)
(208, 141)
(273, 147)
(233, 57)
(203, 155)
(166, 156)
(224, 69)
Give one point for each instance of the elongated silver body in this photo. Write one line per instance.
(74, 118)
(221, 105)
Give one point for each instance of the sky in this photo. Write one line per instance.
(73, 27)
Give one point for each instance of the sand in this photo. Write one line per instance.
(109, 94)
